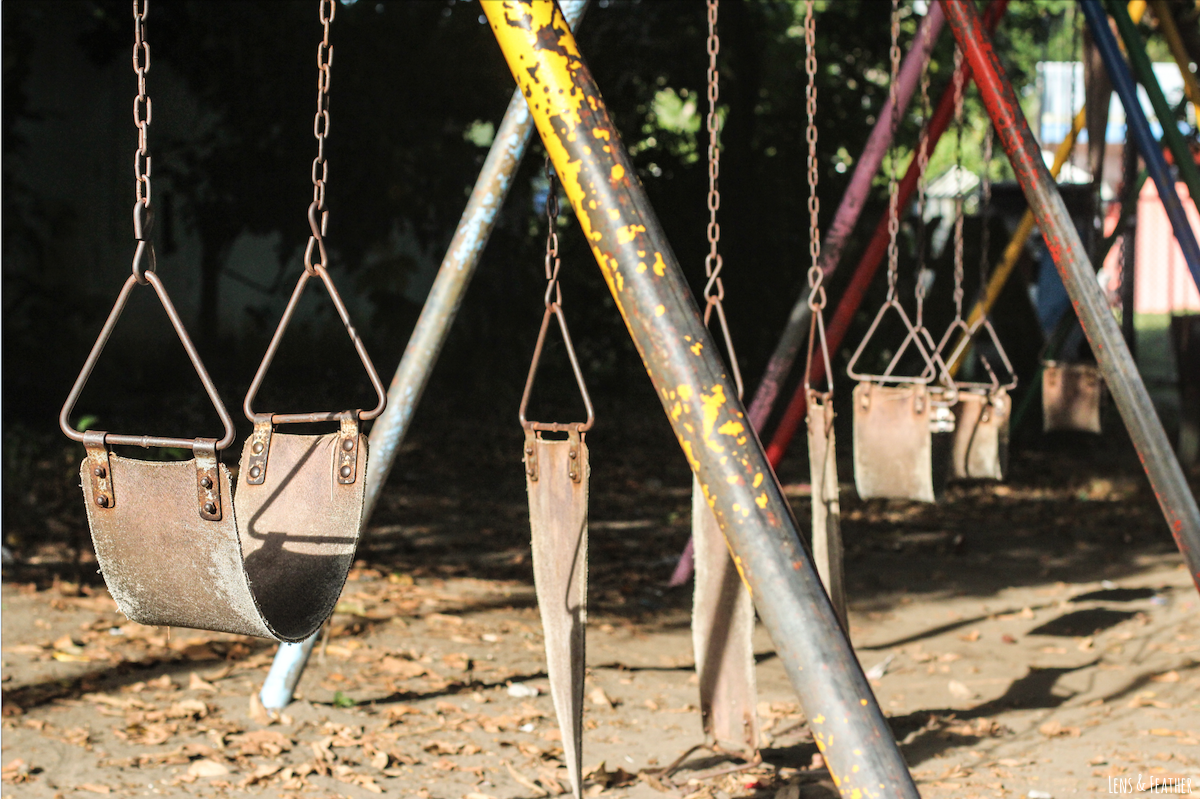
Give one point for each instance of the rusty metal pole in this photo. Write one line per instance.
(428, 337)
(699, 398)
(1120, 372)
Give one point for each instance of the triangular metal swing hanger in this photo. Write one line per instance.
(555, 309)
(316, 416)
(146, 276)
(935, 367)
(968, 333)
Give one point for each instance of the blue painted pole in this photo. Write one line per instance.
(428, 337)
(1137, 125)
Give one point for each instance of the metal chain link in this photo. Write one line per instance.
(714, 288)
(816, 275)
(985, 211)
(320, 167)
(553, 263)
(923, 181)
(143, 111)
(893, 193)
(712, 262)
(959, 80)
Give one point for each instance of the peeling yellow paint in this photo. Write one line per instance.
(696, 348)
(660, 310)
(618, 171)
(641, 267)
(600, 133)
(676, 411)
(819, 719)
(732, 479)
(862, 702)
(758, 478)
(686, 446)
(629, 233)
(685, 392)
(614, 214)
(659, 266)
(730, 428)
(761, 500)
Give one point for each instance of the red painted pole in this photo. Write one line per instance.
(869, 263)
(1091, 306)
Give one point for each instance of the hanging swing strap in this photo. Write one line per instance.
(553, 303)
(816, 275)
(143, 274)
(714, 287)
(316, 243)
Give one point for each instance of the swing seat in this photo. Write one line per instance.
(1071, 397)
(981, 435)
(262, 567)
(902, 442)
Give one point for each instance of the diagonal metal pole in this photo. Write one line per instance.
(846, 216)
(1120, 372)
(428, 336)
(684, 364)
(1137, 125)
(1139, 60)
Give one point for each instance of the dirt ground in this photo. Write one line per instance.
(1037, 638)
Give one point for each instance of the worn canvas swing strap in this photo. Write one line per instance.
(722, 638)
(556, 479)
(826, 507)
(722, 609)
(981, 435)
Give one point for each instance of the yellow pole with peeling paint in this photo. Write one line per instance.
(699, 398)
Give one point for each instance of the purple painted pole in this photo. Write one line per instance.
(846, 217)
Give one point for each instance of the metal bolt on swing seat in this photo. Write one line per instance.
(210, 508)
(255, 471)
(100, 472)
(102, 501)
(346, 471)
(347, 444)
(206, 482)
(256, 449)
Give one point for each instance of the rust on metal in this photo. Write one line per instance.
(99, 470)
(826, 504)
(698, 396)
(208, 480)
(1120, 372)
(256, 452)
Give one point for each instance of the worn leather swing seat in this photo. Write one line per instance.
(902, 442)
(1071, 396)
(980, 450)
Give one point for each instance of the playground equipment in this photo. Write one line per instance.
(981, 414)
(177, 545)
(698, 396)
(1120, 373)
(902, 428)
(556, 478)
(722, 611)
(822, 444)
(428, 336)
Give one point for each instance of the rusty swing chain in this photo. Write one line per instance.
(143, 111)
(816, 275)
(959, 80)
(893, 228)
(320, 167)
(714, 288)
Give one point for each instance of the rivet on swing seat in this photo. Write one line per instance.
(1071, 397)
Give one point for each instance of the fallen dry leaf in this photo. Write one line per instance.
(600, 699)
(1054, 729)
(960, 690)
(525, 781)
(207, 768)
(198, 683)
(94, 787)
(971, 636)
